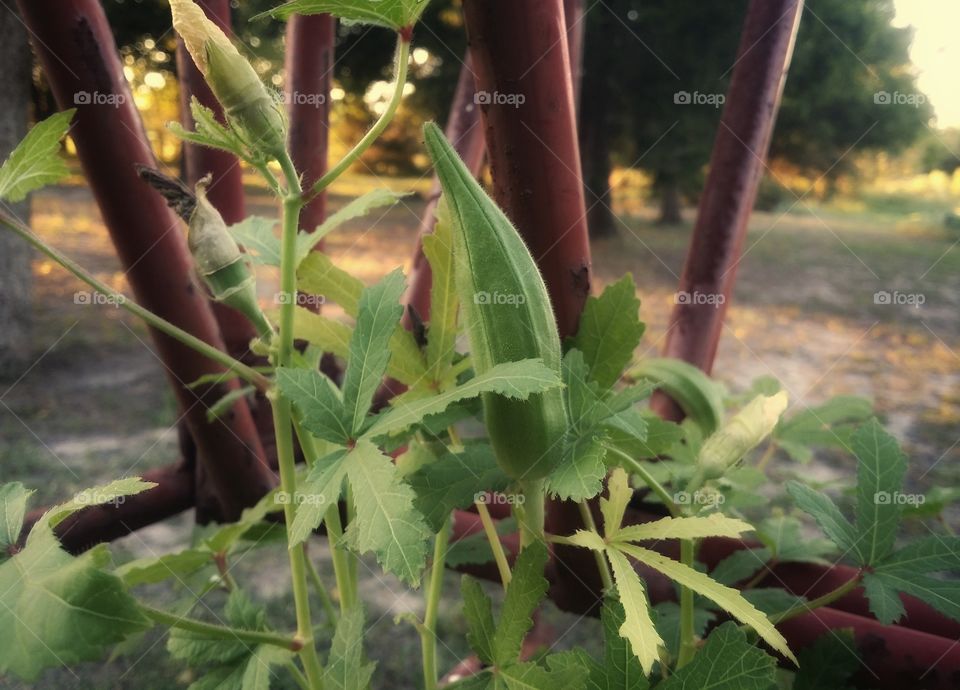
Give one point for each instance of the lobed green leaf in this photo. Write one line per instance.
(36, 161)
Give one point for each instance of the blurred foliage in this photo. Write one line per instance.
(639, 55)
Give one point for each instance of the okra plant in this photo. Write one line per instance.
(563, 420)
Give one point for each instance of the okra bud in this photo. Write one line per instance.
(739, 436)
(507, 315)
(234, 82)
(220, 262)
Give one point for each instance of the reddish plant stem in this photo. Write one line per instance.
(736, 168)
(520, 52)
(110, 141)
(575, 17)
(309, 68)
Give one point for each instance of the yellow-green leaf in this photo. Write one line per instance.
(729, 599)
(614, 505)
(442, 334)
(713, 525)
(638, 627)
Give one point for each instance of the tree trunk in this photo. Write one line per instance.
(670, 205)
(15, 254)
(595, 144)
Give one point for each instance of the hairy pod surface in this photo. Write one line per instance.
(507, 315)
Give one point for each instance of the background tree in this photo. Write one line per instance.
(644, 57)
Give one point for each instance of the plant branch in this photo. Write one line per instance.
(283, 421)
(688, 641)
(605, 576)
(428, 631)
(341, 567)
(823, 600)
(637, 467)
(221, 632)
(400, 77)
(503, 565)
(239, 368)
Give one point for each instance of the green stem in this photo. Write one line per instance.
(530, 513)
(637, 467)
(341, 567)
(503, 565)
(240, 369)
(298, 567)
(351, 557)
(400, 77)
(322, 592)
(283, 420)
(341, 561)
(220, 632)
(428, 631)
(605, 576)
(688, 640)
(298, 677)
(824, 600)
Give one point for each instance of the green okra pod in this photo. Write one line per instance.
(507, 315)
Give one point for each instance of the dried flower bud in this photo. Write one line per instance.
(234, 82)
(740, 435)
(220, 262)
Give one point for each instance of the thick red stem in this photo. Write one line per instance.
(173, 494)
(309, 67)
(736, 167)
